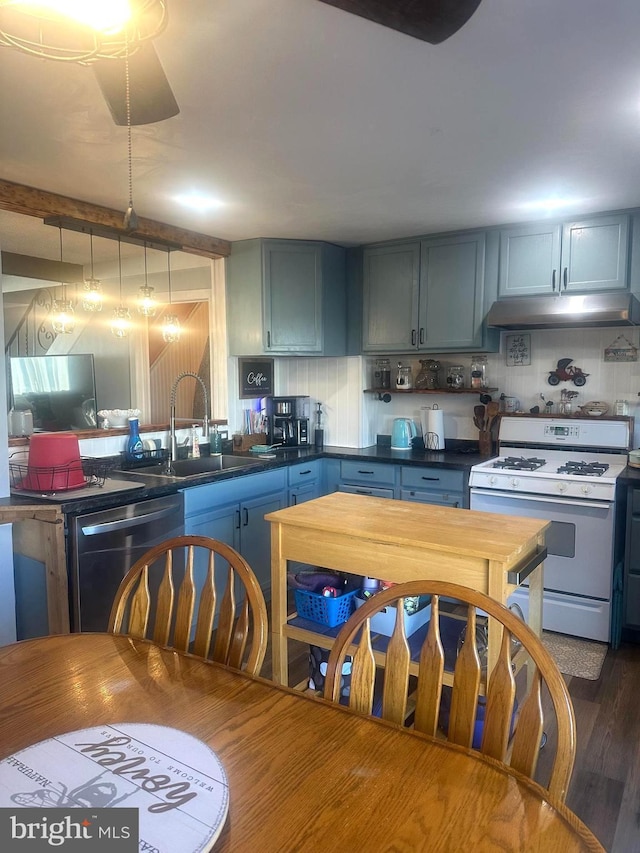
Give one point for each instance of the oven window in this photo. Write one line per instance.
(561, 539)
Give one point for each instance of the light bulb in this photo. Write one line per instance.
(92, 295)
(147, 305)
(63, 319)
(121, 322)
(171, 329)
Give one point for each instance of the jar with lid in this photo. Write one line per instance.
(382, 373)
(455, 377)
(404, 377)
(427, 378)
(479, 371)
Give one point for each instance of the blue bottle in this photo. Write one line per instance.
(135, 448)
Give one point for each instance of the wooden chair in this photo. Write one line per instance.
(519, 750)
(146, 604)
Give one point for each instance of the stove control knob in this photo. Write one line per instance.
(514, 482)
(562, 487)
(493, 480)
(586, 490)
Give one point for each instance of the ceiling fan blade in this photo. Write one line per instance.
(150, 93)
(429, 20)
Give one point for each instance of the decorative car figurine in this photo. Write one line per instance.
(566, 372)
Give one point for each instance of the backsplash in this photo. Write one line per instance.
(353, 418)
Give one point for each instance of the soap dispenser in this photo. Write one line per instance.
(216, 440)
(135, 448)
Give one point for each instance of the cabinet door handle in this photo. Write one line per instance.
(364, 472)
(302, 473)
(237, 519)
(564, 277)
(421, 334)
(246, 516)
(363, 491)
(435, 479)
(553, 280)
(294, 499)
(413, 337)
(268, 340)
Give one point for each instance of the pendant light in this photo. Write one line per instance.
(147, 305)
(63, 319)
(121, 320)
(92, 296)
(171, 330)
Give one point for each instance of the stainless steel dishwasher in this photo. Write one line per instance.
(105, 544)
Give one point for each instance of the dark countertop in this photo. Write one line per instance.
(459, 456)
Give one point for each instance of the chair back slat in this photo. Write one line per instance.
(239, 628)
(519, 748)
(394, 694)
(431, 669)
(164, 605)
(466, 685)
(206, 611)
(140, 606)
(185, 605)
(226, 616)
(499, 704)
(239, 638)
(526, 743)
(363, 671)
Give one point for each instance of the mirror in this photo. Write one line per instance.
(139, 370)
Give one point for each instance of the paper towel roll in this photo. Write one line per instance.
(433, 428)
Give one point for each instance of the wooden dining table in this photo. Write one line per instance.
(303, 774)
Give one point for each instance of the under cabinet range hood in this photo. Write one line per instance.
(565, 311)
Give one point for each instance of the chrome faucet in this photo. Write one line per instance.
(173, 446)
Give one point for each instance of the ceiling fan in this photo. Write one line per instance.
(117, 44)
(429, 20)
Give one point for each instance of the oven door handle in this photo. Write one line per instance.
(485, 493)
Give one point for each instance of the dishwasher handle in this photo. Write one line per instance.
(133, 521)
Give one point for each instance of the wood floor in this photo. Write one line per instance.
(605, 787)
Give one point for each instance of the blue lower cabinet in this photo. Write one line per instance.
(233, 512)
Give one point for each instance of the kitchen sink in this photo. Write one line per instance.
(194, 467)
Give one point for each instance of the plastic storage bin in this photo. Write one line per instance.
(384, 621)
(319, 608)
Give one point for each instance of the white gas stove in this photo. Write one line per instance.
(563, 470)
(572, 458)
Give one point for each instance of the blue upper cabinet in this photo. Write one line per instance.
(390, 297)
(429, 295)
(452, 274)
(595, 254)
(575, 257)
(529, 260)
(286, 297)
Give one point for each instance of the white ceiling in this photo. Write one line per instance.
(309, 122)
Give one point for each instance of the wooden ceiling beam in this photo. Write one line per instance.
(29, 201)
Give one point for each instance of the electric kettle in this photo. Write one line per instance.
(403, 431)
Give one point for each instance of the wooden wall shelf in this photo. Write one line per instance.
(430, 391)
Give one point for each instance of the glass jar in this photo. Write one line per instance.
(404, 378)
(382, 373)
(621, 407)
(455, 376)
(479, 371)
(427, 378)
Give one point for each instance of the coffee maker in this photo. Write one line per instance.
(288, 421)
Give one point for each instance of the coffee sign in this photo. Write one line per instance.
(255, 377)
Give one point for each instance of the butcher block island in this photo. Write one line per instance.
(401, 541)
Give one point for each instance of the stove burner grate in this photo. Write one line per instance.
(583, 469)
(519, 463)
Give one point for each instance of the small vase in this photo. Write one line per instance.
(135, 448)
